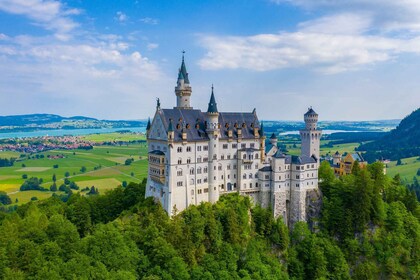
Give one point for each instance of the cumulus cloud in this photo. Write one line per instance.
(336, 42)
(71, 72)
(387, 15)
(121, 17)
(50, 14)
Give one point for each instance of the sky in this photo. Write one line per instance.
(349, 60)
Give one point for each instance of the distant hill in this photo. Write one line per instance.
(50, 121)
(401, 142)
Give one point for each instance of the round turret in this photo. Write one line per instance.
(311, 119)
(273, 139)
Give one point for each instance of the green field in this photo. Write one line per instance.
(407, 170)
(294, 148)
(105, 168)
(115, 137)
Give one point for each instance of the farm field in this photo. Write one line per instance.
(407, 170)
(105, 168)
(114, 137)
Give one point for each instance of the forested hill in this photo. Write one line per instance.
(51, 121)
(369, 229)
(401, 142)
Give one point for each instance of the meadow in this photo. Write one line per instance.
(407, 170)
(105, 167)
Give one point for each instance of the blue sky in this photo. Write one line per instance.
(350, 60)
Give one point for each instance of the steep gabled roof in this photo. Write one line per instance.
(195, 124)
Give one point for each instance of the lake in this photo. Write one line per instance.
(73, 132)
(324, 132)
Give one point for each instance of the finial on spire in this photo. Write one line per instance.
(157, 103)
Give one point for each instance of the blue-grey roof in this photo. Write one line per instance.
(148, 124)
(157, 152)
(183, 71)
(266, 169)
(273, 136)
(268, 147)
(358, 157)
(212, 104)
(302, 159)
(195, 122)
(310, 112)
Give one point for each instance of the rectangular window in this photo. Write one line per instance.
(206, 148)
(252, 145)
(206, 190)
(225, 146)
(243, 145)
(234, 146)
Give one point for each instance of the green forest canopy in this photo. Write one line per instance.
(369, 229)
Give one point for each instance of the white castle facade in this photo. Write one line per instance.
(197, 156)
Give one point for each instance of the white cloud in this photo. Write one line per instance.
(333, 43)
(387, 15)
(329, 53)
(345, 23)
(152, 46)
(121, 17)
(148, 20)
(50, 14)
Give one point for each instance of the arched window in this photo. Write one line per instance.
(192, 171)
(244, 157)
(179, 161)
(244, 176)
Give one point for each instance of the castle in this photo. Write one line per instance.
(197, 156)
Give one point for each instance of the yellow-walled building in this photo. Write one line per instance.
(343, 166)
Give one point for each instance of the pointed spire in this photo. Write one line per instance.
(212, 104)
(262, 129)
(183, 74)
(273, 136)
(171, 126)
(148, 125)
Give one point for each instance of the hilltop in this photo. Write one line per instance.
(401, 142)
(50, 121)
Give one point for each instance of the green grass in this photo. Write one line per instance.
(108, 161)
(114, 137)
(24, 197)
(341, 148)
(9, 154)
(407, 170)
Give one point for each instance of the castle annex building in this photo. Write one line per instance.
(197, 156)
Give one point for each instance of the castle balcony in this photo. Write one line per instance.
(158, 178)
(247, 161)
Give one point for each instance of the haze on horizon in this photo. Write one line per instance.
(352, 60)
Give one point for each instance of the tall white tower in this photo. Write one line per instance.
(310, 136)
(183, 88)
(212, 129)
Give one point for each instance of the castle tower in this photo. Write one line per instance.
(212, 129)
(336, 158)
(183, 88)
(310, 136)
(273, 139)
